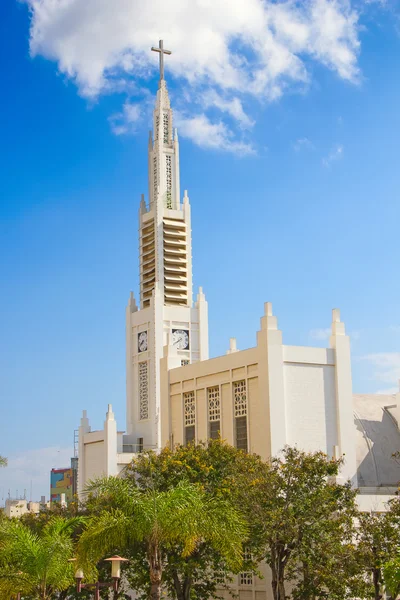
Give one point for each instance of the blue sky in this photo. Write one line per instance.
(290, 154)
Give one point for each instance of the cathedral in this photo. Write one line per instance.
(259, 399)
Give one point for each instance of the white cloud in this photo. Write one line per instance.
(233, 107)
(211, 135)
(126, 120)
(303, 144)
(386, 366)
(335, 154)
(32, 466)
(320, 334)
(230, 50)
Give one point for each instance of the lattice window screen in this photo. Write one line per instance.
(168, 159)
(189, 405)
(246, 578)
(143, 391)
(157, 126)
(214, 404)
(155, 177)
(240, 398)
(166, 128)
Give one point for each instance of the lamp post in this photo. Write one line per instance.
(115, 576)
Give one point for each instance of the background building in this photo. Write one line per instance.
(64, 481)
(16, 507)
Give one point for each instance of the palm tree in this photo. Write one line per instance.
(3, 461)
(183, 517)
(36, 564)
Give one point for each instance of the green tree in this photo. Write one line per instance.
(378, 542)
(36, 564)
(3, 461)
(183, 517)
(223, 472)
(305, 525)
(391, 576)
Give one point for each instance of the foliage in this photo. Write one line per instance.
(36, 564)
(3, 461)
(378, 541)
(223, 473)
(306, 525)
(391, 576)
(181, 517)
(37, 521)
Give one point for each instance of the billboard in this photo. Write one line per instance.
(61, 482)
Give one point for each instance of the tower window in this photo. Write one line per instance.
(155, 177)
(166, 128)
(240, 414)
(214, 412)
(189, 406)
(168, 159)
(184, 362)
(143, 391)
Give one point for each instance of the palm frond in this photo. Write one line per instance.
(30, 562)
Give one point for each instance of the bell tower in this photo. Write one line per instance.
(166, 313)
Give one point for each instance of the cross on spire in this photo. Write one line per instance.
(161, 50)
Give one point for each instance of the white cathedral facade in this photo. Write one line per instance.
(259, 399)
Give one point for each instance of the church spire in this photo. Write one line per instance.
(165, 240)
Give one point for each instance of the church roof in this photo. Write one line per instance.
(377, 438)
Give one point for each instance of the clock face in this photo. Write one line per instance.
(180, 339)
(142, 341)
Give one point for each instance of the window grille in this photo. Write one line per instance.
(169, 180)
(240, 412)
(214, 404)
(155, 177)
(166, 128)
(184, 362)
(189, 405)
(143, 392)
(157, 126)
(240, 398)
(246, 577)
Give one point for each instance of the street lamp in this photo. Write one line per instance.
(115, 575)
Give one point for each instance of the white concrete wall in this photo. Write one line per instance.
(94, 460)
(310, 406)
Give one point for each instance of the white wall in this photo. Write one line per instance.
(94, 460)
(310, 406)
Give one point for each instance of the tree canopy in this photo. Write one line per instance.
(36, 564)
(191, 518)
(179, 518)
